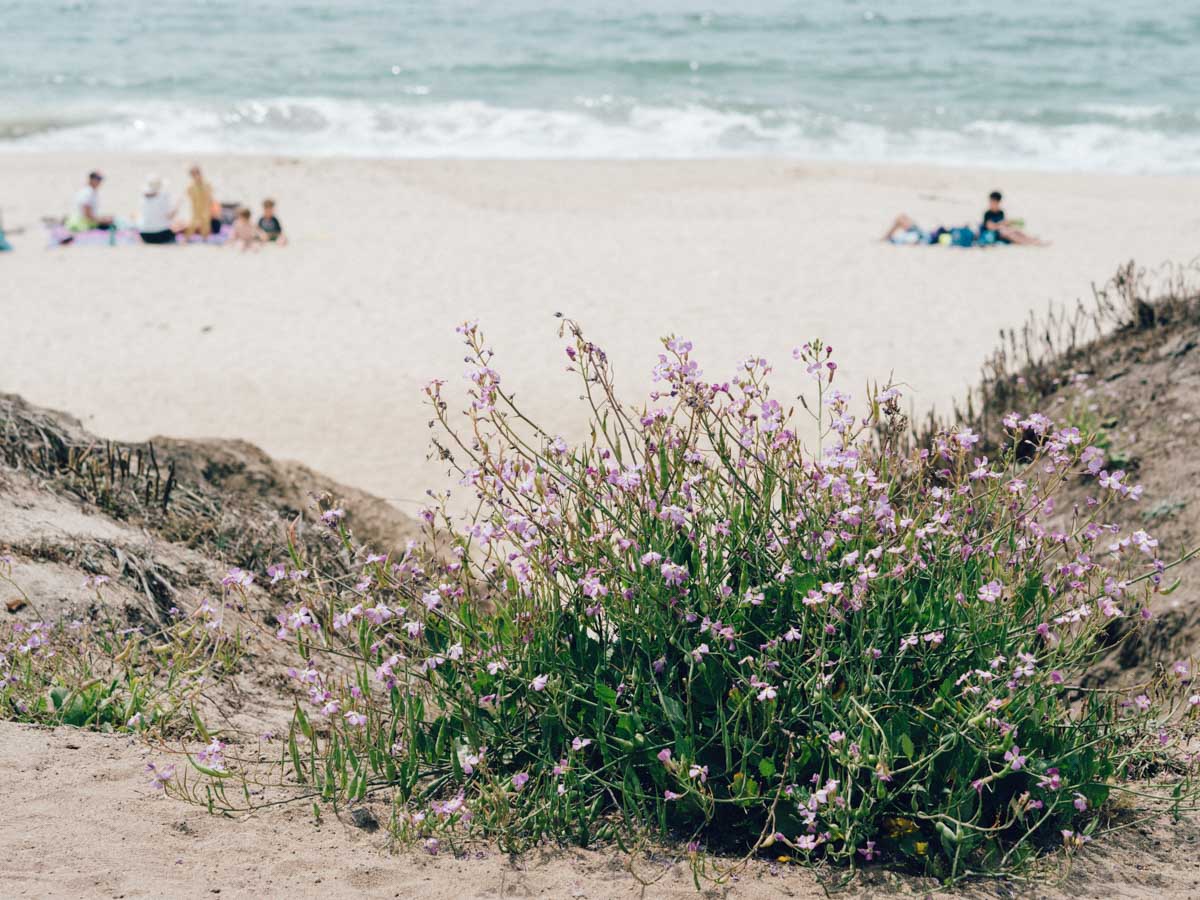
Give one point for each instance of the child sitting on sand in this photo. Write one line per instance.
(269, 227)
(244, 233)
(994, 229)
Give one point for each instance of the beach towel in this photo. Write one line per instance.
(60, 236)
(5, 246)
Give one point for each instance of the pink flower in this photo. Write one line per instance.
(664, 755)
(1052, 780)
(990, 592)
(520, 780)
(674, 574)
(578, 744)
(539, 682)
(160, 777)
(1015, 759)
(592, 587)
(356, 719)
(238, 577)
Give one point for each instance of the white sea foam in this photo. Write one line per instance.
(1120, 142)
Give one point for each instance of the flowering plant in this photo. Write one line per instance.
(94, 673)
(690, 625)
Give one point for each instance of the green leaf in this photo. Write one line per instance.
(606, 695)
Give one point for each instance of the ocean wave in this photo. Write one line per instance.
(1120, 139)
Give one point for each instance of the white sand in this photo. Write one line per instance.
(317, 351)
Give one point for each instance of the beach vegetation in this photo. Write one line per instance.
(103, 674)
(744, 624)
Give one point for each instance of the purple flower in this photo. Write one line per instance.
(238, 577)
(160, 777)
(1015, 759)
(990, 592)
(674, 574)
(1051, 781)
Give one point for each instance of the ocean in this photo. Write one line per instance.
(1073, 84)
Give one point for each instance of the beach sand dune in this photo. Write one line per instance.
(318, 351)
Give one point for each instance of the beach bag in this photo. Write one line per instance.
(962, 237)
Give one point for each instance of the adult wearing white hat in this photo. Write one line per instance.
(154, 222)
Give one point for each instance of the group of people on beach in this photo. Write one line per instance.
(994, 229)
(159, 221)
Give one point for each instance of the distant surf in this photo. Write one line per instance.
(1077, 86)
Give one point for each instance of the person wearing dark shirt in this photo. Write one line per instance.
(269, 226)
(995, 230)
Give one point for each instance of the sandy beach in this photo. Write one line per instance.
(317, 352)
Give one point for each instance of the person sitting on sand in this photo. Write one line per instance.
(154, 221)
(244, 234)
(86, 213)
(269, 227)
(994, 229)
(200, 193)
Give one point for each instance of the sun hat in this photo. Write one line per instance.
(153, 185)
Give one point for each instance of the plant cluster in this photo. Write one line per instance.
(691, 626)
(101, 675)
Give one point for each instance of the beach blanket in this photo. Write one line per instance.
(57, 236)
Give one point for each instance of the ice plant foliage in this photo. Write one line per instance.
(692, 625)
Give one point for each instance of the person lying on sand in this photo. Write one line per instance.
(269, 227)
(85, 216)
(995, 229)
(905, 231)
